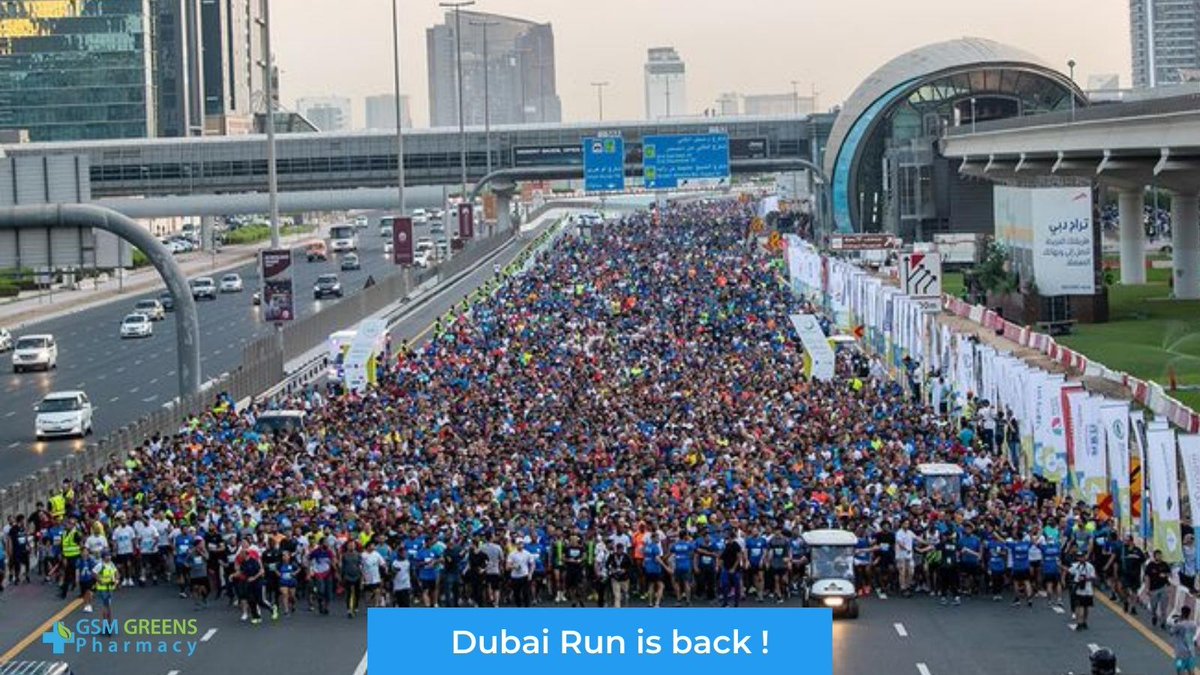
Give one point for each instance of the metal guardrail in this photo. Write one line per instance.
(261, 369)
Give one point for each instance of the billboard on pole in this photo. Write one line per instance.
(466, 221)
(278, 298)
(402, 240)
(1051, 234)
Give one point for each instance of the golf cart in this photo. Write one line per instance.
(831, 571)
(943, 482)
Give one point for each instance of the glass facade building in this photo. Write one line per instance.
(76, 69)
(1164, 40)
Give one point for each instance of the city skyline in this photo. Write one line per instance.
(589, 47)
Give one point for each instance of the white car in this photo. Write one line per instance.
(360, 221)
(137, 326)
(63, 413)
(421, 259)
(35, 351)
(203, 287)
(231, 283)
(387, 248)
(6, 340)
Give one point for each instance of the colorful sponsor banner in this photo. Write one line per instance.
(1163, 475)
(1090, 461)
(1138, 508)
(1115, 419)
(820, 364)
(1049, 437)
(1070, 419)
(402, 240)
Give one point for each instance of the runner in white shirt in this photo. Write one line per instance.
(905, 564)
(401, 581)
(372, 568)
(123, 545)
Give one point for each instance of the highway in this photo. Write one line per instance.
(126, 378)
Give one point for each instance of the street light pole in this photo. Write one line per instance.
(972, 114)
(269, 92)
(1071, 66)
(399, 107)
(600, 96)
(462, 132)
(487, 107)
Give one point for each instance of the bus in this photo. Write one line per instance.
(342, 238)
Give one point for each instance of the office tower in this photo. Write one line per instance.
(519, 67)
(666, 86)
(1165, 37)
(381, 112)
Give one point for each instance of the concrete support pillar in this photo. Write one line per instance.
(1185, 245)
(1133, 237)
(503, 211)
(208, 230)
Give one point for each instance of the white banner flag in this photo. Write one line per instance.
(1189, 451)
(1162, 474)
(1115, 418)
(1089, 454)
(816, 346)
(1049, 435)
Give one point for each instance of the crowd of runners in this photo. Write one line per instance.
(626, 421)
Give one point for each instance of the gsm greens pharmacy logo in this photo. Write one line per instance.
(131, 636)
(58, 637)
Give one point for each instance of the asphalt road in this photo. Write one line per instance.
(895, 636)
(127, 378)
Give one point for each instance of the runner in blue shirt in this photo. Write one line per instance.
(288, 573)
(756, 551)
(427, 575)
(997, 552)
(538, 548)
(683, 550)
(653, 567)
(1018, 552)
(971, 559)
(183, 544)
(1052, 571)
(706, 567)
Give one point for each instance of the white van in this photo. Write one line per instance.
(35, 351)
(63, 413)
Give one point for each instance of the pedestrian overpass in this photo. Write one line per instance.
(218, 175)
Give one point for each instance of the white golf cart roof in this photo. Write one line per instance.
(939, 469)
(830, 538)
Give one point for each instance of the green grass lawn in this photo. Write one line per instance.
(1147, 335)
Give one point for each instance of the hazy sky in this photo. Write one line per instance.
(343, 47)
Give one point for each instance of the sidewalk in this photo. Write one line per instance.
(28, 308)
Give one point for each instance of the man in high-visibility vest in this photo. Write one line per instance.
(107, 578)
(72, 544)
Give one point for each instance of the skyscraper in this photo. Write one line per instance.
(381, 112)
(88, 69)
(327, 113)
(666, 86)
(519, 67)
(232, 43)
(1165, 37)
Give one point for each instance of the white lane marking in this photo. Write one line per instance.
(138, 362)
(114, 399)
(14, 444)
(121, 369)
(134, 390)
(172, 672)
(101, 377)
(1057, 609)
(362, 666)
(900, 629)
(11, 413)
(217, 352)
(209, 635)
(149, 399)
(923, 669)
(154, 381)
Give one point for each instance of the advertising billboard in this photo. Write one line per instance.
(278, 298)
(1051, 234)
(466, 221)
(402, 239)
(685, 160)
